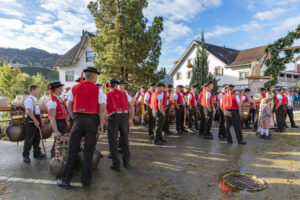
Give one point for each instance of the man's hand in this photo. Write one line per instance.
(163, 113)
(100, 130)
(130, 123)
(37, 123)
(209, 108)
(57, 134)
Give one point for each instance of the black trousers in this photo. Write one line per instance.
(208, 121)
(284, 113)
(289, 112)
(32, 137)
(179, 118)
(256, 117)
(151, 122)
(232, 117)
(193, 113)
(63, 129)
(252, 115)
(159, 123)
(279, 117)
(202, 122)
(116, 123)
(84, 125)
(166, 123)
(222, 124)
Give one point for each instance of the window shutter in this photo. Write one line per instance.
(222, 71)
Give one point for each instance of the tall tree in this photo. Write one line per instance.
(200, 69)
(126, 48)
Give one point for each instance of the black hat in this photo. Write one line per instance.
(98, 84)
(78, 80)
(55, 84)
(122, 82)
(262, 89)
(247, 90)
(277, 88)
(231, 86)
(160, 84)
(208, 83)
(195, 86)
(180, 86)
(114, 81)
(151, 84)
(91, 69)
(143, 87)
(170, 86)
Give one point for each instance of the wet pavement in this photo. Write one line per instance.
(186, 168)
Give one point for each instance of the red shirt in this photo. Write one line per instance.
(154, 101)
(229, 102)
(179, 98)
(193, 99)
(203, 102)
(245, 95)
(61, 112)
(117, 101)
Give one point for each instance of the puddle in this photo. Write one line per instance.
(241, 182)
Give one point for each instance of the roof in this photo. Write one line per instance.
(249, 55)
(226, 55)
(71, 56)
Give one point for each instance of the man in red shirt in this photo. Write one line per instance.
(86, 105)
(179, 109)
(192, 106)
(147, 102)
(207, 104)
(168, 93)
(279, 110)
(231, 107)
(158, 110)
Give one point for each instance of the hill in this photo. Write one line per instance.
(50, 75)
(29, 57)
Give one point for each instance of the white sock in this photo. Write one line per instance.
(267, 132)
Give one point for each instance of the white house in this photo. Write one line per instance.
(230, 66)
(73, 61)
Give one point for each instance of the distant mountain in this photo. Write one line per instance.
(30, 57)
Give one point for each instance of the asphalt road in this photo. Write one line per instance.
(186, 168)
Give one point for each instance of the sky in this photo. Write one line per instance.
(56, 25)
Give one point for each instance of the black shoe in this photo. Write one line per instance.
(278, 130)
(163, 140)
(115, 168)
(184, 131)
(127, 166)
(109, 156)
(295, 126)
(167, 132)
(26, 159)
(221, 137)
(39, 156)
(151, 136)
(268, 137)
(178, 133)
(64, 184)
(84, 186)
(208, 137)
(242, 142)
(257, 134)
(229, 141)
(159, 143)
(262, 136)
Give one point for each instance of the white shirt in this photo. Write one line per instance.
(207, 94)
(190, 97)
(137, 94)
(129, 98)
(220, 96)
(52, 104)
(160, 96)
(243, 98)
(101, 97)
(31, 101)
(279, 96)
(147, 96)
(176, 97)
(290, 100)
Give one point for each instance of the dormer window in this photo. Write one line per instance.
(90, 56)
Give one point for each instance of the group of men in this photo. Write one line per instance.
(88, 107)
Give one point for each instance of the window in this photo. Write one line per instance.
(70, 76)
(90, 56)
(219, 71)
(178, 76)
(189, 75)
(189, 63)
(243, 75)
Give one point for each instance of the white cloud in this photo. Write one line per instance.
(9, 25)
(11, 2)
(174, 31)
(8, 11)
(178, 9)
(221, 30)
(270, 14)
(179, 50)
(44, 17)
(289, 24)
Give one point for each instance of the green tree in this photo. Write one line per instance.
(200, 70)
(42, 82)
(126, 48)
(8, 78)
